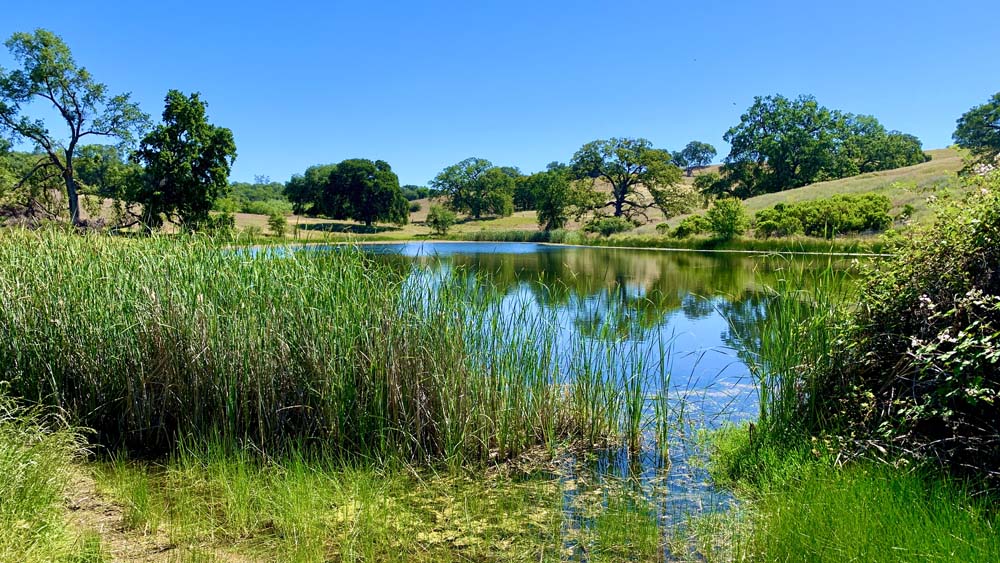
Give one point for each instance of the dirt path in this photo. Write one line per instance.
(89, 511)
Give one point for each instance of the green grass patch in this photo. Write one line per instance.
(800, 505)
(37, 456)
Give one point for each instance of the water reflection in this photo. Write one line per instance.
(676, 312)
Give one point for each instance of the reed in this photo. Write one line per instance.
(154, 341)
(789, 340)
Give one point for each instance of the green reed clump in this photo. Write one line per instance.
(789, 339)
(150, 341)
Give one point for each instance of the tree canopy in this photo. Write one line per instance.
(366, 191)
(305, 190)
(979, 131)
(187, 162)
(626, 165)
(476, 187)
(49, 74)
(552, 193)
(695, 155)
(781, 144)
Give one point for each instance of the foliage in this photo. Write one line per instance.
(37, 455)
(695, 155)
(712, 184)
(415, 206)
(925, 339)
(48, 73)
(727, 218)
(830, 217)
(440, 219)
(306, 190)
(102, 170)
(278, 224)
(781, 144)
(186, 165)
(411, 192)
(692, 225)
(552, 193)
(365, 191)
(261, 189)
(626, 165)
(979, 131)
(607, 226)
(476, 187)
(266, 207)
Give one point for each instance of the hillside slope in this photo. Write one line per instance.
(910, 185)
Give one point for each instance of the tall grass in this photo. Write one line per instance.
(36, 457)
(789, 340)
(154, 341)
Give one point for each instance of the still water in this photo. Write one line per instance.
(685, 308)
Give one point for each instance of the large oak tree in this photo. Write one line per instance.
(633, 169)
(49, 74)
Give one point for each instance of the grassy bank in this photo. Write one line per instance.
(846, 245)
(801, 505)
(37, 457)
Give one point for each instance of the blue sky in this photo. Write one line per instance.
(425, 84)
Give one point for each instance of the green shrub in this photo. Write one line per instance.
(829, 217)
(607, 226)
(727, 218)
(926, 371)
(278, 224)
(775, 222)
(692, 225)
(219, 224)
(415, 206)
(440, 219)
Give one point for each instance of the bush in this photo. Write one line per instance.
(440, 219)
(775, 222)
(415, 206)
(278, 224)
(830, 217)
(727, 219)
(607, 226)
(219, 224)
(693, 225)
(927, 338)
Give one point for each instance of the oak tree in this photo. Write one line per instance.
(49, 74)
(640, 177)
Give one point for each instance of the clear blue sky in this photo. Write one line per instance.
(425, 84)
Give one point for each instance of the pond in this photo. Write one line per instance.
(677, 313)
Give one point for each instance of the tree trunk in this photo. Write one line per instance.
(72, 196)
